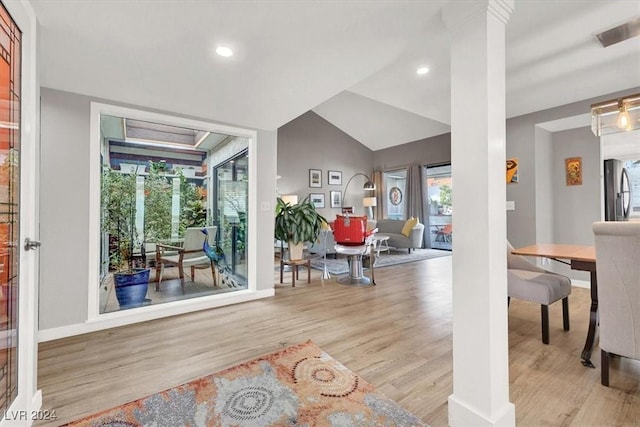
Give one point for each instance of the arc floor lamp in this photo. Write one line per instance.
(369, 185)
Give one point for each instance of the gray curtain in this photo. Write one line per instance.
(378, 211)
(415, 205)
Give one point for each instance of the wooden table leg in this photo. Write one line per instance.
(294, 273)
(593, 321)
(308, 271)
(593, 310)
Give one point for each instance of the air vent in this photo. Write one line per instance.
(620, 33)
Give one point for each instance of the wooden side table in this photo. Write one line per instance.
(295, 263)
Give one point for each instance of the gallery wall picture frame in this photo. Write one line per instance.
(336, 198)
(334, 177)
(315, 178)
(573, 170)
(317, 199)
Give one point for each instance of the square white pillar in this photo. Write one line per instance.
(480, 337)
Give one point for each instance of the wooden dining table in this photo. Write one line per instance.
(578, 257)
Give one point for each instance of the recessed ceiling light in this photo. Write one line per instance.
(422, 70)
(224, 51)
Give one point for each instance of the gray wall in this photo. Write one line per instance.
(575, 207)
(521, 143)
(310, 142)
(544, 183)
(429, 151)
(64, 204)
(545, 209)
(64, 207)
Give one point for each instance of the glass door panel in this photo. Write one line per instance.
(232, 191)
(438, 197)
(10, 48)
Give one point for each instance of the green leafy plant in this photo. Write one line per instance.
(445, 195)
(193, 199)
(297, 223)
(119, 216)
(157, 203)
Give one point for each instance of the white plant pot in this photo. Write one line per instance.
(295, 250)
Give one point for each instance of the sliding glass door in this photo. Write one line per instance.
(230, 214)
(438, 190)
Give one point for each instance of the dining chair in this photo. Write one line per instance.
(617, 246)
(529, 282)
(190, 254)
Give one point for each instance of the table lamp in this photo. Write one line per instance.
(369, 203)
(291, 199)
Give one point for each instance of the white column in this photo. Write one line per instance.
(480, 342)
(175, 208)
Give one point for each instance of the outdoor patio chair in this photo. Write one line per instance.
(190, 254)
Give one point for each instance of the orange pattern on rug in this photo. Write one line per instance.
(300, 385)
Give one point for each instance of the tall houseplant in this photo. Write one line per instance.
(297, 224)
(119, 223)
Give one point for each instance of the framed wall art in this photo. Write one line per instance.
(317, 199)
(315, 178)
(334, 177)
(336, 198)
(573, 170)
(395, 196)
(512, 171)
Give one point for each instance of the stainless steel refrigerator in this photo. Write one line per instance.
(617, 191)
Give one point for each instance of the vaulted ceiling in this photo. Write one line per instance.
(351, 62)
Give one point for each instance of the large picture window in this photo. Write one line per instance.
(173, 212)
(395, 187)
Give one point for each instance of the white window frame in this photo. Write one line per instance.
(123, 317)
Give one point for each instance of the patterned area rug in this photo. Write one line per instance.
(340, 266)
(298, 386)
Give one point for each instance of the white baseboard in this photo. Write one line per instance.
(20, 416)
(581, 283)
(462, 415)
(142, 314)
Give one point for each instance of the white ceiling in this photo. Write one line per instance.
(352, 62)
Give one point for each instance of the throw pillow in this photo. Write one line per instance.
(408, 225)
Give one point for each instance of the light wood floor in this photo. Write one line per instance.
(396, 335)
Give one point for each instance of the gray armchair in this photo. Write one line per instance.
(618, 268)
(529, 282)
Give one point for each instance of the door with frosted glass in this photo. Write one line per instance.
(10, 47)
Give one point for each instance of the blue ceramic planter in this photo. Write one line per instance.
(131, 287)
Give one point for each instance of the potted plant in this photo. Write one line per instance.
(119, 223)
(297, 224)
